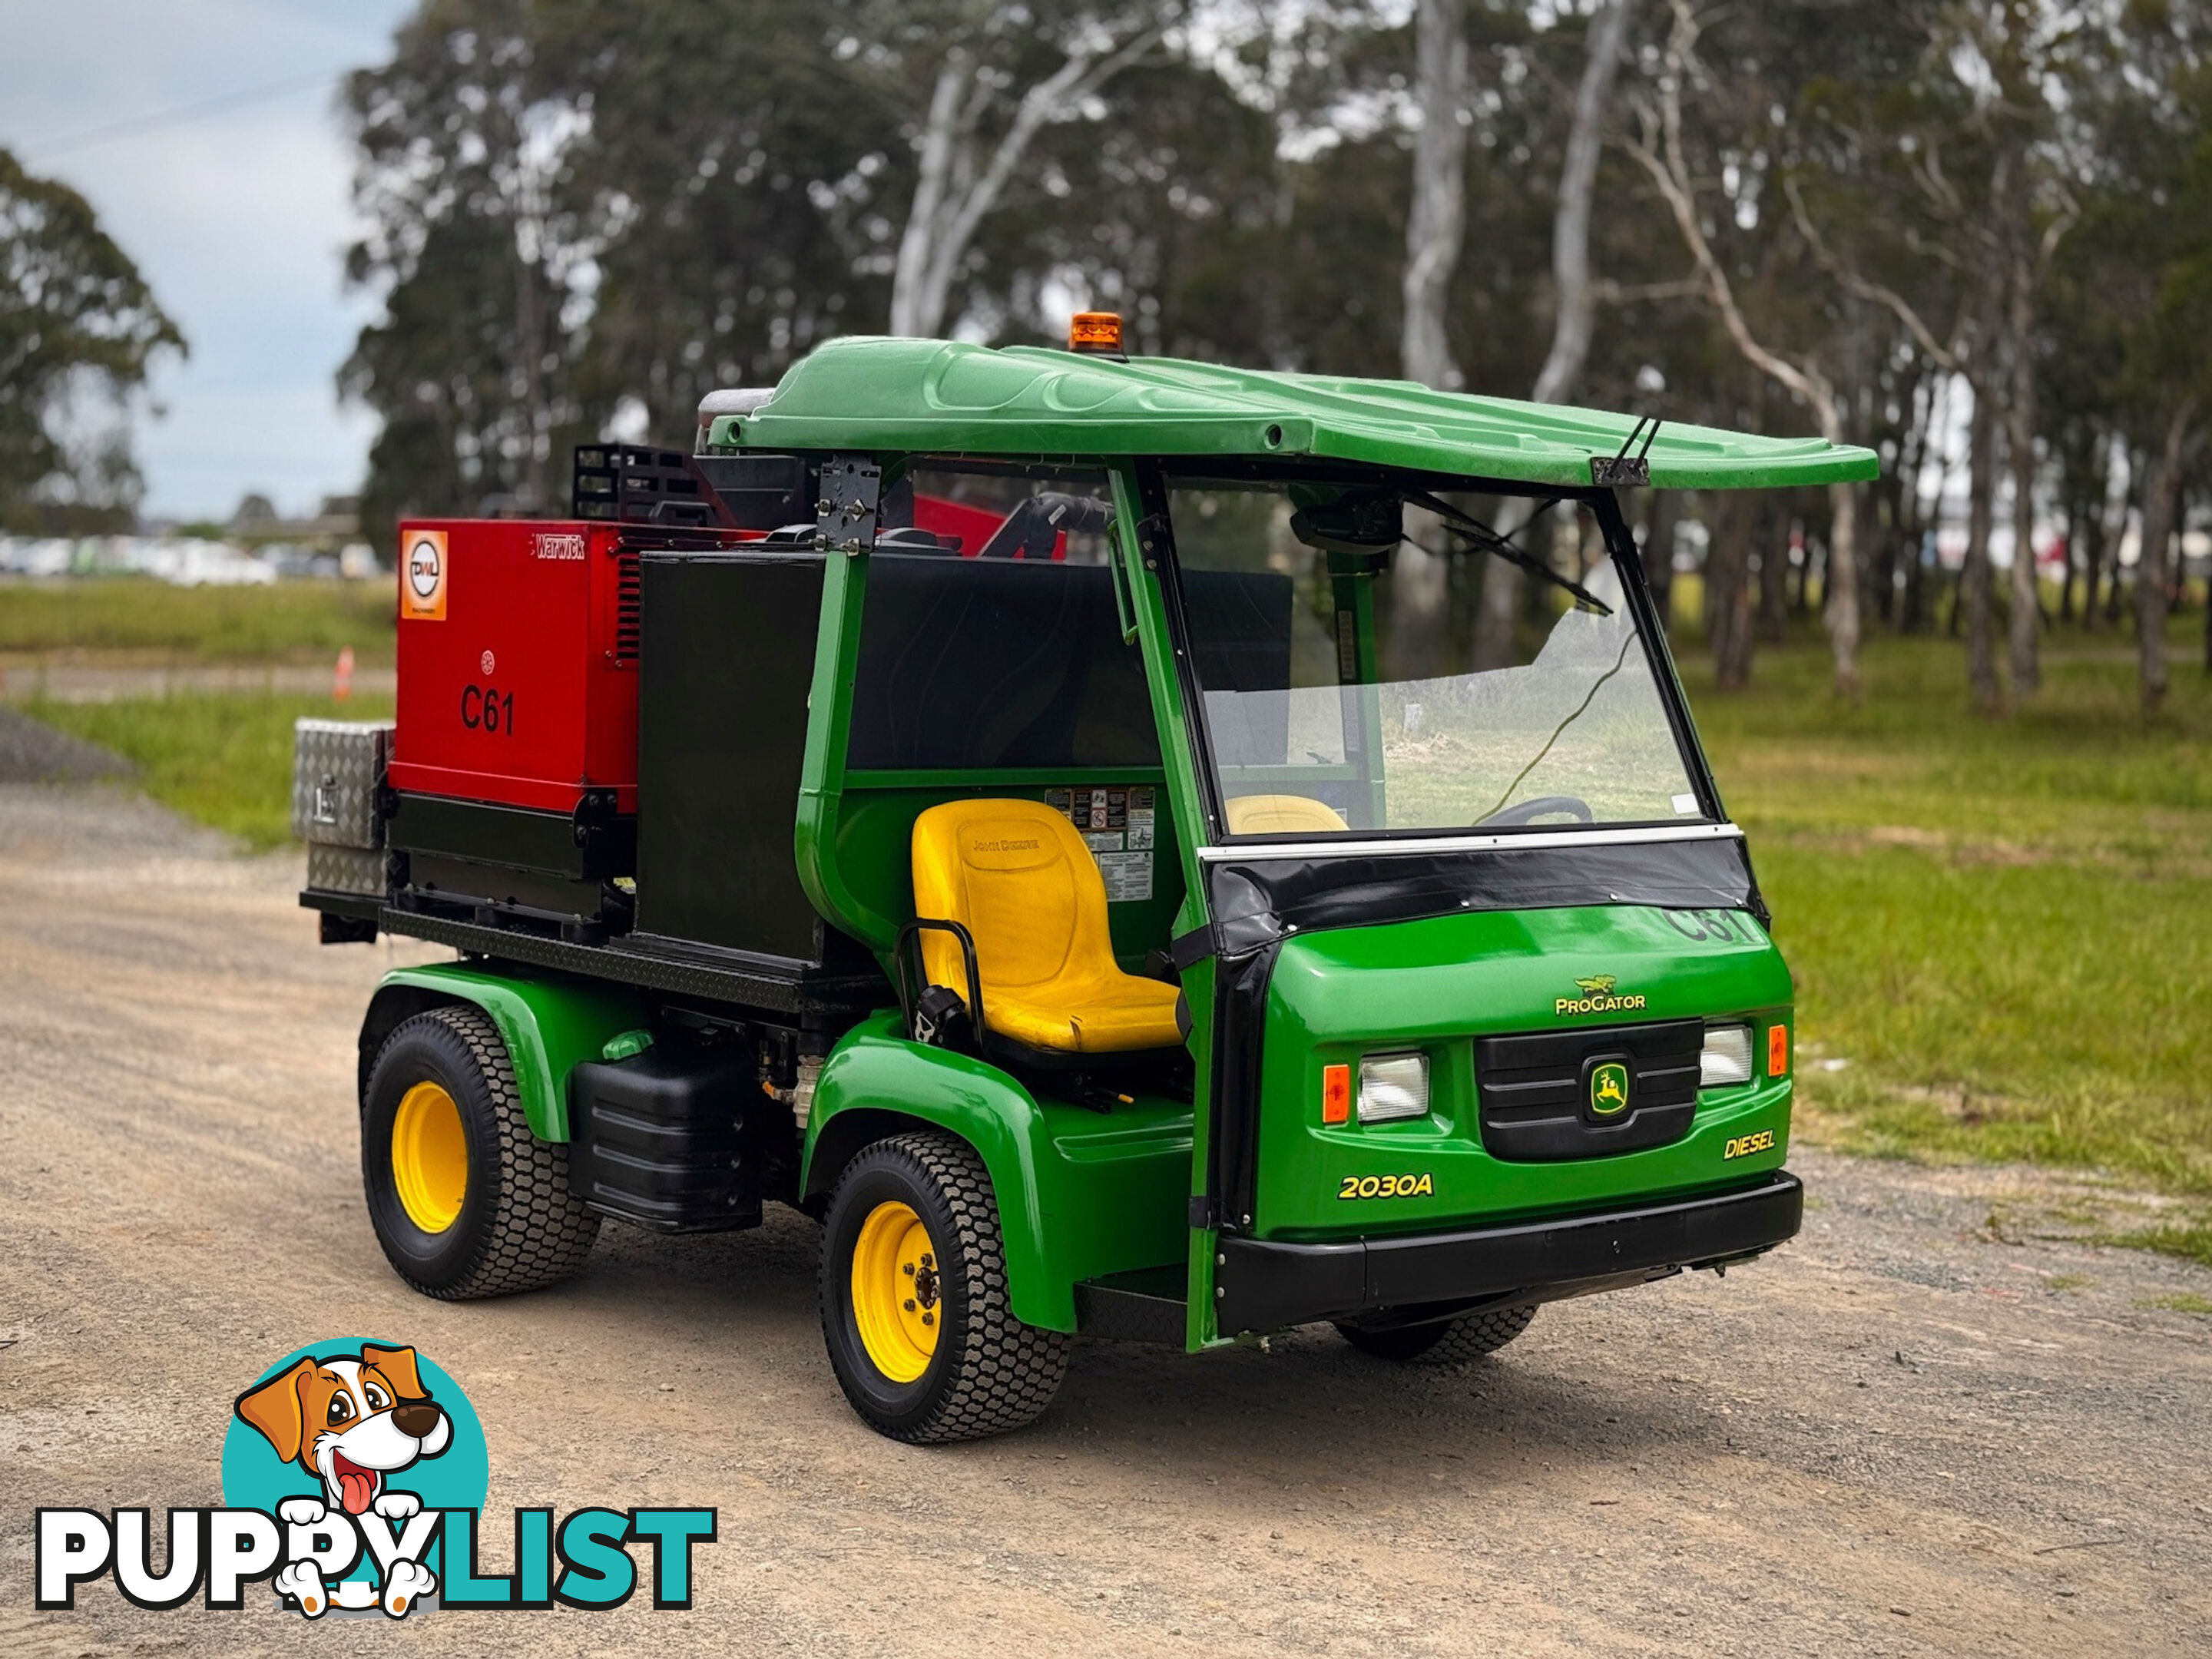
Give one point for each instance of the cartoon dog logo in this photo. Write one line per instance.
(352, 1421)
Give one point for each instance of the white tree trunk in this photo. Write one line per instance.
(1841, 612)
(1660, 155)
(2161, 494)
(1974, 577)
(2019, 437)
(1575, 298)
(915, 308)
(1574, 295)
(1437, 224)
(956, 186)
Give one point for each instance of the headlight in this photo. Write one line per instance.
(1727, 1058)
(1394, 1086)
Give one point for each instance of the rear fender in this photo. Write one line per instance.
(549, 1026)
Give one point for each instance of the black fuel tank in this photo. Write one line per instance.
(665, 1138)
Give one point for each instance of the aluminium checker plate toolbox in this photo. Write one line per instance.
(345, 870)
(337, 772)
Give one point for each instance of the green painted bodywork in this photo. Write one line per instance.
(1178, 751)
(550, 1024)
(1434, 986)
(1081, 1194)
(855, 829)
(945, 398)
(821, 771)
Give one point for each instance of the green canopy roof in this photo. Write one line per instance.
(867, 393)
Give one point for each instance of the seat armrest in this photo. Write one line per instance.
(910, 991)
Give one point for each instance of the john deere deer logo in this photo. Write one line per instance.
(1608, 1089)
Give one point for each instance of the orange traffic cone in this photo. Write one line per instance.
(342, 685)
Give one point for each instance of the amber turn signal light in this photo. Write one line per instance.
(1778, 1050)
(1098, 332)
(1336, 1094)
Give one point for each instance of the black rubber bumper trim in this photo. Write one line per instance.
(1264, 1285)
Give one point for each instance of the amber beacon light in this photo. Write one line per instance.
(1098, 332)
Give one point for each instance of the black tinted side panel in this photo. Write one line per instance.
(966, 664)
(726, 662)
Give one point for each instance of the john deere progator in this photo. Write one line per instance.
(1133, 849)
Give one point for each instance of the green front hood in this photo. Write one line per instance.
(1508, 970)
(1435, 986)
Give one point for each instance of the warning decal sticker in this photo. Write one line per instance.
(1117, 824)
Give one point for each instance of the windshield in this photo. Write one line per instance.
(1397, 676)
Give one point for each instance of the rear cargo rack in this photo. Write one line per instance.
(639, 484)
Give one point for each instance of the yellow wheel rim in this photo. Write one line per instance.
(430, 1157)
(897, 1299)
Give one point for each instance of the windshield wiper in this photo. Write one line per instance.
(1489, 541)
(1588, 697)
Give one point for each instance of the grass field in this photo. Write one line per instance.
(291, 622)
(1999, 928)
(224, 759)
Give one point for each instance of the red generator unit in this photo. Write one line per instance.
(511, 782)
(511, 793)
(518, 663)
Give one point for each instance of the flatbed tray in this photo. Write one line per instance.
(675, 966)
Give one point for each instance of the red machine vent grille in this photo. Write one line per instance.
(626, 607)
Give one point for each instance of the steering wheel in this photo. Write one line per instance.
(1529, 811)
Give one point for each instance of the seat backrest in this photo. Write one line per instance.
(1282, 815)
(1017, 875)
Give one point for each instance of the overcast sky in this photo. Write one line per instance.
(238, 216)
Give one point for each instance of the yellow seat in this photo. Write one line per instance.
(1282, 815)
(1017, 875)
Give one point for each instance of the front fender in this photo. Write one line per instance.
(549, 1026)
(1080, 1195)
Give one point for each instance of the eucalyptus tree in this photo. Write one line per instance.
(976, 83)
(737, 193)
(2139, 271)
(461, 141)
(1437, 224)
(1799, 358)
(573, 227)
(78, 326)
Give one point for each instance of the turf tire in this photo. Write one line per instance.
(990, 1372)
(519, 1228)
(1447, 1342)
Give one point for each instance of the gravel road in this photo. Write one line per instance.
(1898, 1435)
(32, 751)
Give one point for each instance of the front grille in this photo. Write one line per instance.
(1535, 1089)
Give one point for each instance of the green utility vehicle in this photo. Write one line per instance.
(1134, 848)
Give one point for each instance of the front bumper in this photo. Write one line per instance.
(1264, 1285)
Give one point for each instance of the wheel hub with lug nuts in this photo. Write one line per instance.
(896, 1292)
(430, 1157)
